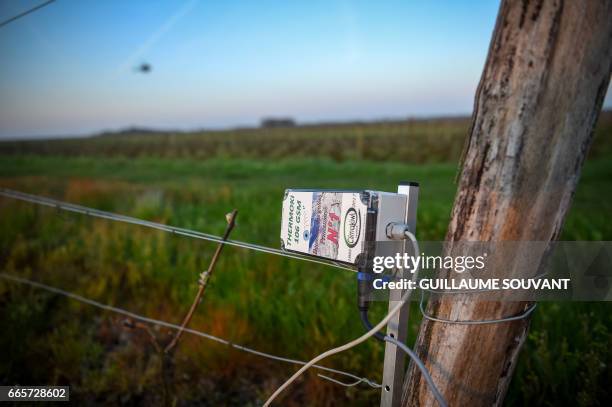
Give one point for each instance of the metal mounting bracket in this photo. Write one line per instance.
(395, 359)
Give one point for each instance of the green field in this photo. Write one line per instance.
(278, 305)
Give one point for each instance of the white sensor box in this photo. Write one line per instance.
(341, 226)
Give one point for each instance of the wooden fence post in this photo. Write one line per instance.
(538, 100)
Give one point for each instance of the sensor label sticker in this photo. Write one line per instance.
(325, 224)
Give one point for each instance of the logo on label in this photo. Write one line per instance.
(352, 227)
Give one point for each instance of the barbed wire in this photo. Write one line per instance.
(84, 210)
(170, 325)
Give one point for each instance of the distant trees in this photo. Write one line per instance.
(275, 122)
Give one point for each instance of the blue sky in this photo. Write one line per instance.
(69, 68)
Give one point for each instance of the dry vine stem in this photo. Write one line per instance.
(204, 278)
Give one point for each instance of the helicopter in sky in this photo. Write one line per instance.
(143, 68)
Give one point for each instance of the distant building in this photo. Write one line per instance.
(270, 123)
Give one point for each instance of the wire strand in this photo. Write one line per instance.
(430, 317)
(84, 210)
(170, 325)
(355, 342)
(25, 13)
(419, 363)
(331, 379)
(209, 237)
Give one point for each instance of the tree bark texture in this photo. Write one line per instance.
(543, 85)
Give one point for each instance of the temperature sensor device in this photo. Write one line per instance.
(347, 227)
(341, 226)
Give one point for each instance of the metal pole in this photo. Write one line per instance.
(393, 369)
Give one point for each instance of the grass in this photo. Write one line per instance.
(273, 304)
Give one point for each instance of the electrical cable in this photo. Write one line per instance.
(141, 318)
(405, 297)
(25, 13)
(365, 321)
(419, 363)
(342, 348)
(364, 304)
(84, 210)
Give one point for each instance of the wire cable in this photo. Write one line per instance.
(363, 314)
(522, 315)
(331, 379)
(417, 361)
(25, 13)
(84, 210)
(141, 318)
(386, 338)
(374, 331)
(405, 297)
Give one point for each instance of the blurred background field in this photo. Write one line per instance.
(415, 141)
(273, 304)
